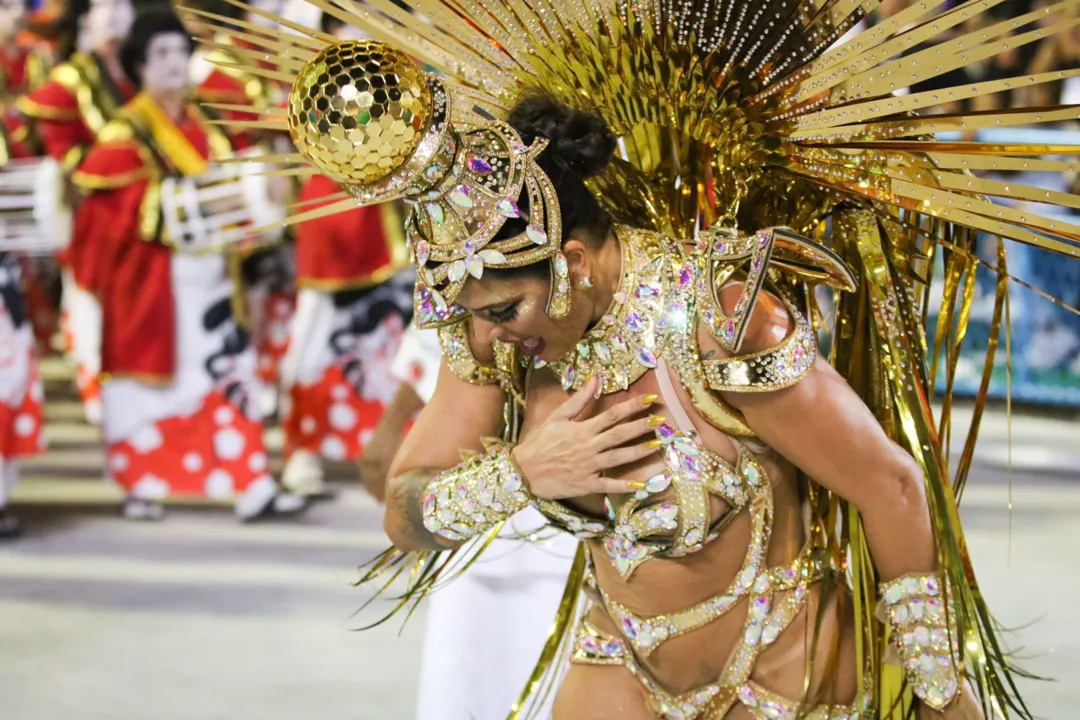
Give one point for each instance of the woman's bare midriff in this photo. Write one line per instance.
(662, 586)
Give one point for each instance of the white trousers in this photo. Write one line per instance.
(486, 629)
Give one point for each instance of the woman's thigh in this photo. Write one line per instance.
(601, 692)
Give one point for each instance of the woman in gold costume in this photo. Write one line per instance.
(623, 270)
(670, 450)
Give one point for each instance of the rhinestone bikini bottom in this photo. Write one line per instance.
(769, 616)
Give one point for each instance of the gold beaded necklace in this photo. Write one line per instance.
(651, 301)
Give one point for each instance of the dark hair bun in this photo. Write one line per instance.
(581, 144)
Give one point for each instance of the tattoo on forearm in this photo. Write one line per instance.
(409, 500)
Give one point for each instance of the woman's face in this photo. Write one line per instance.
(514, 310)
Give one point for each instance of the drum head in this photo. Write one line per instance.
(51, 213)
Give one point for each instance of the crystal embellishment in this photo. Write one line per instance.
(479, 165)
(461, 196)
(536, 234)
(435, 212)
(508, 209)
(927, 639)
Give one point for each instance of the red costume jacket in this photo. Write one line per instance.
(123, 260)
(346, 250)
(73, 106)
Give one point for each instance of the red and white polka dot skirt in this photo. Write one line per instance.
(21, 427)
(330, 418)
(217, 452)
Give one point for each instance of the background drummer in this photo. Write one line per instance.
(179, 412)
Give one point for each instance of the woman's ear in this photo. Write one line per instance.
(577, 259)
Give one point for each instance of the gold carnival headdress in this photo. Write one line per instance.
(760, 112)
(370, 118)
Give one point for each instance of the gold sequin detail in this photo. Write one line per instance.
(458, 355)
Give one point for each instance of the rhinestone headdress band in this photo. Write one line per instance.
(368, 117)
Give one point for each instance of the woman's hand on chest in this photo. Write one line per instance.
(566, 454)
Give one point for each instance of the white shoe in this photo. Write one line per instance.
(142, 510)
(303, 474)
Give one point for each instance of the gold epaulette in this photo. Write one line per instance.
(118, 130)
(726, 255)
(37, 111)
(768, 370)
(82, 76)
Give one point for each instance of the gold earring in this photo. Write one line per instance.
(559, 301)
(584, 282)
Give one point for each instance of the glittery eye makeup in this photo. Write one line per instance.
(504, 315)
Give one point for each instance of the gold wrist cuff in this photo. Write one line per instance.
(923, 622)
(470, 498)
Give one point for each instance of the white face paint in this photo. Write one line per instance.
(107, 21)
(274, 7)
(12, 15)
(166, 67)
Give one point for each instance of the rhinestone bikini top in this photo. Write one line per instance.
(667, 291)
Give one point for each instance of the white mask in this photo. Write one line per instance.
(107, 21)
(12, 15)
(167, 58)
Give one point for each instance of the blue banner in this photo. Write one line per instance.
(1045, 340)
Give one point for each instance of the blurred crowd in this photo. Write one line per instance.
(1058, 52)
(133, 246)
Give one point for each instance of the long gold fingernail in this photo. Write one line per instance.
(634, 485)
(654, 444)
(647, 400)
(656, 421)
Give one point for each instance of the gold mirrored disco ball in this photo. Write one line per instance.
(358, 109)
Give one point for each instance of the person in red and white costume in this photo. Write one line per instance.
(21, 397)
(354, 299)
(82, 95)
(84, 92)
(20, 62)
(180, 417)
(486, 629)
(269, 291)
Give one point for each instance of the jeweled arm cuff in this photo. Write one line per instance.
(471, 498)
(924, 632)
